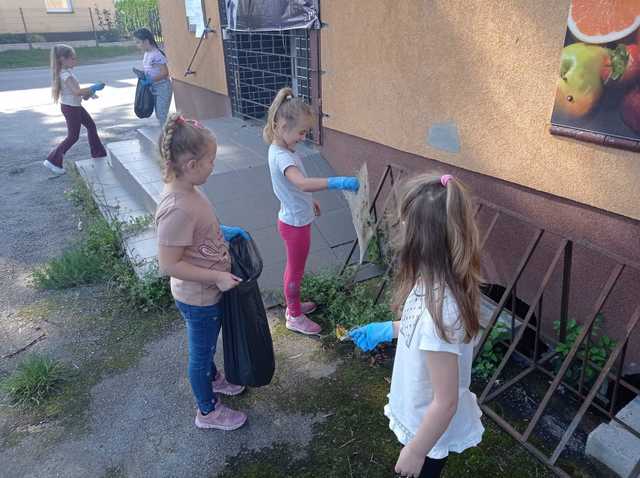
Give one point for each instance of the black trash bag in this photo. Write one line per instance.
(144, 102)
(248, 348)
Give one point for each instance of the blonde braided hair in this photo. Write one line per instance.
(180, 141)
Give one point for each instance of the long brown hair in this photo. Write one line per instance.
(58, 53)
(439, 247)
(181, 139)
(287, 108)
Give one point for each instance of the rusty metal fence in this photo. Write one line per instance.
(560, 357)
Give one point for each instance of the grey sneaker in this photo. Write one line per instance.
(222, 418)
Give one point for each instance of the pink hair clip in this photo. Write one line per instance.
(180, 119)
(196, 124)
(445, 178)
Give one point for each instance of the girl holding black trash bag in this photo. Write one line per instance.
(192, 250)
(155, 72)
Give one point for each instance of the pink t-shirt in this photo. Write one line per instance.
(187, 219)
(151, 62)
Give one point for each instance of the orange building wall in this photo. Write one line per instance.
(393, 69)
(180, 44)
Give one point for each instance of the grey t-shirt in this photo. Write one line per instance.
(296, 206)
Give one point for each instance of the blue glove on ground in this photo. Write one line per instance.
(229, 232)
(348, 183)
(370, 335)
(96, 87)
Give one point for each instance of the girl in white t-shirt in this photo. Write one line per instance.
(431, 409)
(66, 90)
(155, 72)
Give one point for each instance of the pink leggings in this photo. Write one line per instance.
(297, 241)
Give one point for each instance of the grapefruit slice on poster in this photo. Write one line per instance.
(603, 21)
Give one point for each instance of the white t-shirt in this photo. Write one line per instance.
(66, 95)
(151, 62)
(296, 206)
(411, 389)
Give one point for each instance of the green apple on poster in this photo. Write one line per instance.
(598, 83)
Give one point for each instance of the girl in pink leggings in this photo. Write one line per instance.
(289, 120)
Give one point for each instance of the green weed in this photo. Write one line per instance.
(100, 257)
(492, 353)
(35, 380)
(598, 349)
(345, 303)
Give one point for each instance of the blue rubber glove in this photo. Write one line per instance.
(146, 81)
(229, 232)
(348, 183)
(96, 87)
(370, 335)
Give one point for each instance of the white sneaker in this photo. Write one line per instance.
(53, 168)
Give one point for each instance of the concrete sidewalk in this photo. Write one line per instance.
(130, 183)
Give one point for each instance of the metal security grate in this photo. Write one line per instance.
(260, 63)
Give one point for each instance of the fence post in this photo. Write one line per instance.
(93, 27)
(24, 24)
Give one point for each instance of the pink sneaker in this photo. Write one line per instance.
(222, 418)
(302, 324)
(220, 385)
(306, 308)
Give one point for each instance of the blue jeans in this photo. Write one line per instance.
(162, 92)
(203, 328)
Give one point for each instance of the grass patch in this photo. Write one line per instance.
(100, 257)
(40, 57)
(356, 441)
(35, 380)
(118, 339)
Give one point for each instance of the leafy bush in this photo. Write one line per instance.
(134, 14)
(599, 349)
(36, 379)
(492, 352)
(345, 303)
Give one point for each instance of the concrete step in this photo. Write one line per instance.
(138, 172)
(148, 137)
(117, 204)
(615, 446)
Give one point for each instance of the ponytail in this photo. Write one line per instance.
(438, 247)
(286, 108)
(58, 52)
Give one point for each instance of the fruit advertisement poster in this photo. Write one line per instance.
(598, 87)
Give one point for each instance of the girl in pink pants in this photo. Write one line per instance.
(289, 120)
